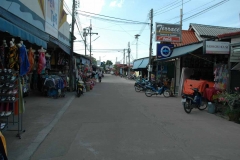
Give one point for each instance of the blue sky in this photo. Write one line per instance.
(113, 35)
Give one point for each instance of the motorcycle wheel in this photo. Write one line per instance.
(137, 89)
(187, 107)
(148, 92)
(203, 106)
(167, 93)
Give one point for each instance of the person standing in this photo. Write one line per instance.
(100, 76)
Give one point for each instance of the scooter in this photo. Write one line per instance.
(155, 90)
(194, 100)
(79, 88)
(140, 85)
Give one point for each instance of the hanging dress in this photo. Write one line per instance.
(23, 59)
(31, 60)
(41, 62)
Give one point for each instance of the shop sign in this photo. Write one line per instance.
(51, 17)
(168, 32)
(164, 50)
(216, 47)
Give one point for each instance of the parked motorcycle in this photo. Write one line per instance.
(155, 90)
(140, 85)
(79, 88)
(194, 100)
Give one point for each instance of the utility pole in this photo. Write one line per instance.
(90, 42)
(85, 43)
(90, 32)
(136, 36)
(71, 53)
(123, 56)
(150, 47)
(129, 50)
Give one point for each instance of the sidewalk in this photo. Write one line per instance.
(41, 113)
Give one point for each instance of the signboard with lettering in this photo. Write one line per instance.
(168, 32)
(51, 17)
(216, 47)
(164, 50)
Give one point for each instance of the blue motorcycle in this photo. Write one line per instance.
(140, 85)
(194, 100)
(155, 90)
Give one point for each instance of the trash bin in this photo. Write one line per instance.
(211, 108)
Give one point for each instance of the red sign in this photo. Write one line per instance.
(168, 39)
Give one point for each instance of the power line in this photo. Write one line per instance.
(170, 9)
(205, 10)
(129, 21)
(118, 21)
(170, 4)
(193, 10)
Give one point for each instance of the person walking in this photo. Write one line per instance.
(100, 76)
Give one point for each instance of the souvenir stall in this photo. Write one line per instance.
(53, 78)
(14, 67)
(208, 74)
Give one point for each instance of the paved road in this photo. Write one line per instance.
(113, 122)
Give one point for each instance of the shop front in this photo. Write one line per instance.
(198, 65)
(140, 66)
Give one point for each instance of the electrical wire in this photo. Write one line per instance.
(205, 10)
(67, 8)
(118, 21)
(167, 8)
(193, 10)
(170, 4)
(131, 21)
(170, 9)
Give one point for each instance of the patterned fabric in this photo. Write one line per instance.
(13, 58)
(24, 63)
(31, 60)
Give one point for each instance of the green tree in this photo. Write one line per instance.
(109, 62)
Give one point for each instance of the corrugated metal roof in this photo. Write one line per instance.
(188, 37)
(211, 31)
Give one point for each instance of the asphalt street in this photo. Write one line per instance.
(113, 122)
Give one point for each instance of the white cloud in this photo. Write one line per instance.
(117, 3)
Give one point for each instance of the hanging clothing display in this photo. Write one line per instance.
(23, 58)
(41, 61)
(31, 59)
(48, 61)
(13, 58)
(2, 59)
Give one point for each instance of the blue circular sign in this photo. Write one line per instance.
(165, 51)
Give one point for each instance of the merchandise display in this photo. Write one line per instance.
(9, 94)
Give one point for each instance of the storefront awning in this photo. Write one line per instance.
(181, 51)
(18, 32)
(144, 63)
(137, 63)
(60, 44)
